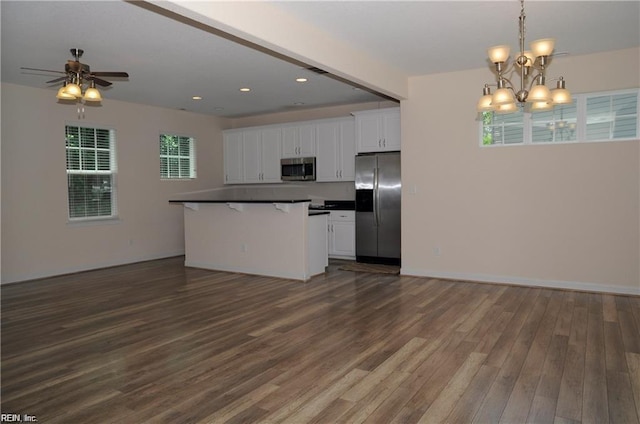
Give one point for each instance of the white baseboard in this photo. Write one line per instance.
(99, 265)
(521, 281)
(250, 271)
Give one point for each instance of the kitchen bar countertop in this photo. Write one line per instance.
(244, 195)
(240, 200)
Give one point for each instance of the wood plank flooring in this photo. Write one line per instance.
(156, 342)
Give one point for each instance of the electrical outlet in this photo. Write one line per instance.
(243, 248)
(437, 251)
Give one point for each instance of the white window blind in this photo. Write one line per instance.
(612, 117)
(177, 157)
(556, 125)
(91, 172)
(502, 128)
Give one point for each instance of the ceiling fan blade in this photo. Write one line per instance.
(99, 81)
(111, 74)
(42, 70)
(56, 80)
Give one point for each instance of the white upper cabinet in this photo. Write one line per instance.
(252, 155)
(233, 157)
(261, 155)
(335, 159)
(271, 148)
(378, 130)
(298, 140)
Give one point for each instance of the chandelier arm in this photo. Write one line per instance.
(510, 84)
(535, 78)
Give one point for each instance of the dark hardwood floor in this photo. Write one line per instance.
(157, 342)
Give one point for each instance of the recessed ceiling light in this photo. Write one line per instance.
(197, 98)
(218, 108)
(301, 80)
(245, 89)
(298, 103)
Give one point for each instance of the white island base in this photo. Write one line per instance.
(272, 239)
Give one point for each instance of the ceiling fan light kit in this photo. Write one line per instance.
(532, 90)
(77, 76)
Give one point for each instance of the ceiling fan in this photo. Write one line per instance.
(75, 75)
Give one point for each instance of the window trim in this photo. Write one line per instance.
(581, 122)
(192, 157)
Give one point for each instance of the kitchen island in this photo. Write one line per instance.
(275, 237)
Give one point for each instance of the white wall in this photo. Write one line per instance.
(37, 239)
(556, 215)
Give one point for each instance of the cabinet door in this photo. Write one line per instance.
(368, 133)
(344, 238)
(290, 136)
(327, 168)
(270, 155)
(251, 145)
(307, 140)
(233, 169)
(347, 153)
(391, 130)
(378, 130)
(342, 234)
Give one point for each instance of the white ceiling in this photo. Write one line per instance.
(169, 61)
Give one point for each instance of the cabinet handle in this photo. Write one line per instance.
(384, 142)
(336, 174)
(341, 173)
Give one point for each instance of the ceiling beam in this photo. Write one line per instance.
(270, 27)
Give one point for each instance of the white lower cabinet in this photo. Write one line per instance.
(342, 234)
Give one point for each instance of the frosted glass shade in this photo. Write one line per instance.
(507, 108)
(561, 96)
(63, 95)
(499, 53)
(539, 93)
(92, 95)
(502, 96)
(543, 47)
(538, 106)
(73, 90)
(484, 104)
(530, 58)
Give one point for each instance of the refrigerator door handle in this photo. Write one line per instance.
(376, 198)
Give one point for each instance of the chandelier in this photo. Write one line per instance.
(532, 89)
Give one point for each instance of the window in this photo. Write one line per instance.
(177, 157)
(556, 125)
(91, 170)
(612, 117)
(591, 117)
(502, 128)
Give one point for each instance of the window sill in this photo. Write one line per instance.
(89, 222)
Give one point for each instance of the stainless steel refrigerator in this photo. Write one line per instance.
(378, 194)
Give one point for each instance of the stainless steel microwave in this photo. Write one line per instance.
(298, 169)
